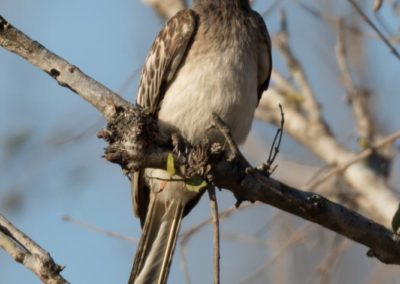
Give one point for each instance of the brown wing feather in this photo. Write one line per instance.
(164, 59)
(265, 60)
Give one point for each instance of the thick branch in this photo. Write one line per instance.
(66, 74)
(25, 251)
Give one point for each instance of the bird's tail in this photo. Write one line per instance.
(156, 246)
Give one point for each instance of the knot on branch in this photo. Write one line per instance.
(49, 269)
(314, 205)
(128, 133)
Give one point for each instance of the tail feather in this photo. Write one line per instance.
(156, 246)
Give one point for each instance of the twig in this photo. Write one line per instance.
(361, 156)
(274, 150)
(375, 28)
(377, 5)
(189, 233)
(216, 235)
(334, 20)
(100, 230)
(27, 252)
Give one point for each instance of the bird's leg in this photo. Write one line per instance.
(234, 152)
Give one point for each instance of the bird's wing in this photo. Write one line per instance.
(162, 64)
(165, 57)
(265, 55)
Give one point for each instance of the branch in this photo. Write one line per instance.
(66, 74)
(375, 28)
(233, 174)
(25, 251)
(357, 97)
(359, 157)
(309, 127)
(309, 102)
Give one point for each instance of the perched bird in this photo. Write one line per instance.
(213, 58)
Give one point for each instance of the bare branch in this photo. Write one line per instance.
(310, 104)
(185, 236)
(189, 233)
(66, 74)
(334, 20)
(357, 97)
(375, 28)
(25, 251)
(363, 155)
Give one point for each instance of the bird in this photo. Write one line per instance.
(212, 59)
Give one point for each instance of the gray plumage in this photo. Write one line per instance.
(215, 58)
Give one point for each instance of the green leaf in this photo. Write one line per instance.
(195, 184)
(170, 165)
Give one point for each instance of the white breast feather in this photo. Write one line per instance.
(223, 83)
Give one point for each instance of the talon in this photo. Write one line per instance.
(104, 134)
